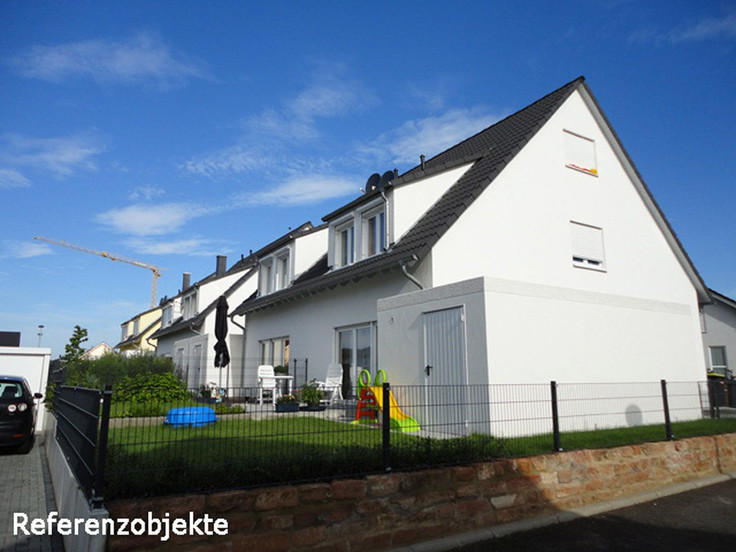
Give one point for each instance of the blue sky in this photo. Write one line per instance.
(170, 132)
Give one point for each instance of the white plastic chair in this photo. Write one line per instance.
(332, 385)
(267, 382)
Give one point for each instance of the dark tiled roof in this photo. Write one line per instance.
(490, 150)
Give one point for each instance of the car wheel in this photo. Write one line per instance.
(26, 447)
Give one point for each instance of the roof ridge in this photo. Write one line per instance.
(573, 83)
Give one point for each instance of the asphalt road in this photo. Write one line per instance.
(700, 520)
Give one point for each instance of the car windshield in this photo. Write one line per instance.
(10, 390)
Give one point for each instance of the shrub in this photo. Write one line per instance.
(148, 388)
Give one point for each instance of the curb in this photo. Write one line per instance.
(462, 539)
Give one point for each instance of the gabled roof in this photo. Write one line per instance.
(135, 338)
(197, 321)
(489, 151)
(303, 230)
(719, 297)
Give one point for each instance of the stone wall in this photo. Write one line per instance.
(381, 512)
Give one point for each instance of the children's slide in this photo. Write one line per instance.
(399, 419)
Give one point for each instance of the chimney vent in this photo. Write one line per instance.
(186, 281)
(221, 265)
(421, 160)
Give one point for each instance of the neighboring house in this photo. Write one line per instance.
(187, 332)
(530, 252)
(719, 335)
(97, 351)
(136, 333)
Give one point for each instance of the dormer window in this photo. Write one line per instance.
(282, 277)
(374, 233)
(359, 235)
(275, 272)
(189, 306)
(346, 244)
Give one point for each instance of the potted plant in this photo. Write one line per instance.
(312, 395)
(287, 403)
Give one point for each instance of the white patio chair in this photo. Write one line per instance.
(332, 386)
(267, 382)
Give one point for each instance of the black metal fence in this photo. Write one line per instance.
(150, 451)
(82, 418)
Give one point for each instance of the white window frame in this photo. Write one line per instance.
(275, 351)
(718, 368)
(282, 270)
(345, 243)
(580, 153)
(265, 276)
(588, 248)
(377, 234)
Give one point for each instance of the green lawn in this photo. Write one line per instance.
(153, 459)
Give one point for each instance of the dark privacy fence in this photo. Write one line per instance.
(82, 418)
(399, 428)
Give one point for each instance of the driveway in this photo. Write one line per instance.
(25, 487)
(700, 520)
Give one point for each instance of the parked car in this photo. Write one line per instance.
(17, 414)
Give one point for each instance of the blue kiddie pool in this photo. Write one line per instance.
(190, 416)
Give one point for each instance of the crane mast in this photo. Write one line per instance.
(155, 270)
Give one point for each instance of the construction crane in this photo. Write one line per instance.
(156, 270)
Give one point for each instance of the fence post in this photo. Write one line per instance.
(715, 410)
(666, 405)
(386, 426)
(555, 417)
(97, 490)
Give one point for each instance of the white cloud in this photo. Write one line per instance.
(62, 156)
(232, 160)
(303, 190)
(192, 246)
(150, 220)
(141, 59)
(709, 28)
(430, 135)
(270, 138)
(24, 250)
(12, 179)
(146, 192)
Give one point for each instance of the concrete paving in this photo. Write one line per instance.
(25, 487)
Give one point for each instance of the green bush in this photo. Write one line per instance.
(151, 388)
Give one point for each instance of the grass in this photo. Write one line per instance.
(153, 459)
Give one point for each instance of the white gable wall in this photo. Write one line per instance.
(637, 320)
(308, 249)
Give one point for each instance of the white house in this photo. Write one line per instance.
(187, 332)
(719, 335)
(532, 251)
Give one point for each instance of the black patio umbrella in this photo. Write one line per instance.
(222, 356)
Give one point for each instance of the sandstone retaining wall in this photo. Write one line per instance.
(380, 512)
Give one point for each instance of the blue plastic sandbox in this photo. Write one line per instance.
(190, 416)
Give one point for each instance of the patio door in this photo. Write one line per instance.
(445, 371)
(356, 352)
